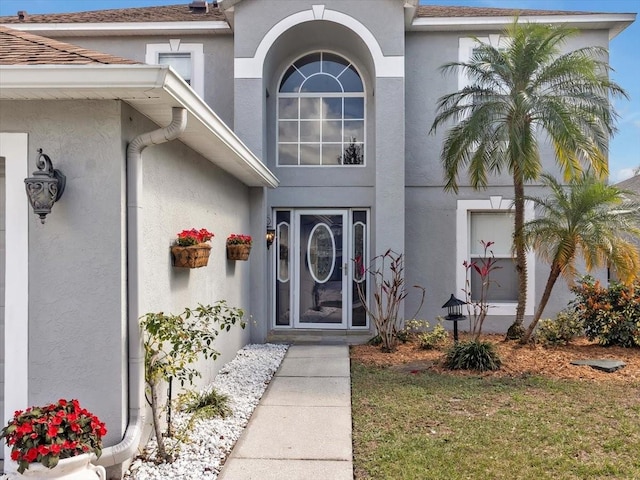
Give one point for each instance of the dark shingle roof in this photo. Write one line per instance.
(445, 11)
(171, 13)
(22, 48)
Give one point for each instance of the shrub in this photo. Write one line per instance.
(473, 355)
(431, 339)
(566, 326)
(609, 315)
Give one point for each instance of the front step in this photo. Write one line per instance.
(322, 337)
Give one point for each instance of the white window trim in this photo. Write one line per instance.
(176, 46)
(465, 51)
(463, 249)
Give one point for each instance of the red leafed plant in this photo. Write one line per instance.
(478, 306)
(48, 434)
(236, 239)
(193, 237)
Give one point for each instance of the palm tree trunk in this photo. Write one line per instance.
(551, 281)
(516, 330)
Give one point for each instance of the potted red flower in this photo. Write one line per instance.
(191, 249)
(55, 440)
(238, 246)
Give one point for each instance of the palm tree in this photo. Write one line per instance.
(589, 219)
(515, 94)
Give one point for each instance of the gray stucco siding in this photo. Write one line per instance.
(182, 190)
(218, 61)
(77, 263)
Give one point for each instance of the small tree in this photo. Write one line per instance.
(479, 308)
(388, 293)
(173, 342)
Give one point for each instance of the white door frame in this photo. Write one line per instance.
(14, 148)
(345, 248)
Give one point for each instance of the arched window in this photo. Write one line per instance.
(321, 112)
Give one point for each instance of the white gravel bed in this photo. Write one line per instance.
(244, 380)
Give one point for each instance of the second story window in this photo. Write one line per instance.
(321, 113)
(187, 59)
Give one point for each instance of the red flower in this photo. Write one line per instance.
(52, 431)
(24, 429)
(15, 455)
(31, 455)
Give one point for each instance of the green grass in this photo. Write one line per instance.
(433, 426)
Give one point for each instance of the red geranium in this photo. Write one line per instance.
(236, 239)
(193, 237)
(50, 433)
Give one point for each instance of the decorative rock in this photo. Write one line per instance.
(602, 364)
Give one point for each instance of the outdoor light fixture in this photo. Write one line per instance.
(454, 313)
(45, 187)
(271, 233)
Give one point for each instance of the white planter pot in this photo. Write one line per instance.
(73, 468)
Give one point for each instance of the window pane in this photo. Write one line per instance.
(181, 63)
(288, 131)
(351, 81)
(321, 83)
(331, 154)
(288, 108)
(310, 108)
(291, 81)
(309, 65)
(332, 108)
(309, 131)
(310, 154)
(491, 227)
(354, 108)
(333, 64)
(332, 131)
(503, 285)
(288, 154)
(353, 131)
(353, 154)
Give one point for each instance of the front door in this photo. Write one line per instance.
(319, 260)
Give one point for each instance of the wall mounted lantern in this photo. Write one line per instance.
(271, 233)
(454, 313)
(45, 187)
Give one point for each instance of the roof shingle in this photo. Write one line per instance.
(22, 48)
(446, 11)
(170, 13)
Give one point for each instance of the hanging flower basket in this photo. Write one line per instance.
(238, 247)
(191, 256)
(238, 252)
(191, 249)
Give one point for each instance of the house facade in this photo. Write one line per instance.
(309, 118)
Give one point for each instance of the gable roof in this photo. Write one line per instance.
(632, 184)
(23, 48)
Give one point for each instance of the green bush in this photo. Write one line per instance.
(609, 315)
(206, 404)
(473, 355)
(433, 338)
(560, 331)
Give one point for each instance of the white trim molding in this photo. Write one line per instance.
(196, 51)
(386, 65)
(14, 149)
(492, 204)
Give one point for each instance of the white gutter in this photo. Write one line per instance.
(126, 449)
(122, 28)
(614, 22)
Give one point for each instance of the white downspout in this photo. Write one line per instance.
(126, 449)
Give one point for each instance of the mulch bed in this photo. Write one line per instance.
(517, 360)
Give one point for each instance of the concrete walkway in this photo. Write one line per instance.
(302, 427)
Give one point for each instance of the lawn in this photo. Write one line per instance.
(418, 421)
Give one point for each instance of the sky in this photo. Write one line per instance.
(624, 154)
